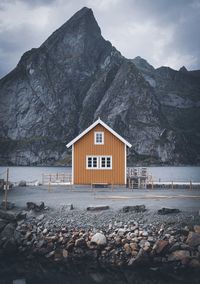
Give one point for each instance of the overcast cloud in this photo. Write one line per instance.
(164, 32)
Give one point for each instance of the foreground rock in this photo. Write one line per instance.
(165, 211)
(99, 239)
(118, 243)
(136, 208)
(193, 239)
(98, 208)
(34, 206)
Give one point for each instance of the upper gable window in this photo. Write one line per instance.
(99, 138)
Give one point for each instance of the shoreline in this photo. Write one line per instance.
(110, 238)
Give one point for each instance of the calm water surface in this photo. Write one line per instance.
(158, 173)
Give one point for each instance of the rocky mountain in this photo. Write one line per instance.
(74, 77)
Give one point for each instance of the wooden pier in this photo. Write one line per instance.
(57, 179)
(139, 178)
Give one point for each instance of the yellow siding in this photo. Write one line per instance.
(112, 147)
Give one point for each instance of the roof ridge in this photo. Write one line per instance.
(91, 127)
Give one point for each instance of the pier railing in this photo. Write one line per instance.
(57, 178)
(140, 178)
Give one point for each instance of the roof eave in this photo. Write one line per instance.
(91, 127)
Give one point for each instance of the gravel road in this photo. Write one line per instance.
(82, 197)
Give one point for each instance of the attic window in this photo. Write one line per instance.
(98, 138)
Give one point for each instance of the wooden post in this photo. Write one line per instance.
(152, 184)
(49, 187)
(112, 186)
(172, 185)
(139, 182)
(70, 181)
(6, 188)
(190, 185)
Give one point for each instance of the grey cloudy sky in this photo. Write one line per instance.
(164, 32)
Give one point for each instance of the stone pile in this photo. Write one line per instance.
(118, 243)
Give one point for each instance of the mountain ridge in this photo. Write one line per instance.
(75, 76)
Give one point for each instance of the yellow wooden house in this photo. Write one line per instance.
(99, 156)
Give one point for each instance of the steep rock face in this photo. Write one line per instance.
(42, 98)
(179, 95)
(74, 77)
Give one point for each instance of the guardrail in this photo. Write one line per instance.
(57, 178)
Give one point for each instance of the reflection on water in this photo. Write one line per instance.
(158, 173)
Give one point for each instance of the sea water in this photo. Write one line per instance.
(31, 174)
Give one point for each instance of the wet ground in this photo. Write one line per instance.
(82, 197)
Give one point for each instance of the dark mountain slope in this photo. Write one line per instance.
(74, 77)
(179, 95)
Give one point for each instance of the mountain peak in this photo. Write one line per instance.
(142, 64)
(82, 22)
(83, 12)
(183, 69)
(84, 15)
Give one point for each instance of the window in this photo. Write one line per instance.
(91, 162)
(105, 162)
(99, 138)
(99, 162)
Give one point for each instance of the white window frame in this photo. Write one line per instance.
(99, 162)
(92, 167)
(95, 137)
(106, 167)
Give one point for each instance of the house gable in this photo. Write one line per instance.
(98, 121)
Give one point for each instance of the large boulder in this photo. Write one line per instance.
(160, 246)
(181, 255)
(99, 239)
(35, 207)
(135, 208)
(164, 211)
(97, 207)
(193, 239)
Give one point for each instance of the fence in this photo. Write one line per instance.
(140, 178)
(57, 178)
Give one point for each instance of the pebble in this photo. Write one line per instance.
(197, 229)
(45, 231)
(40, 217)
(121, 232)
